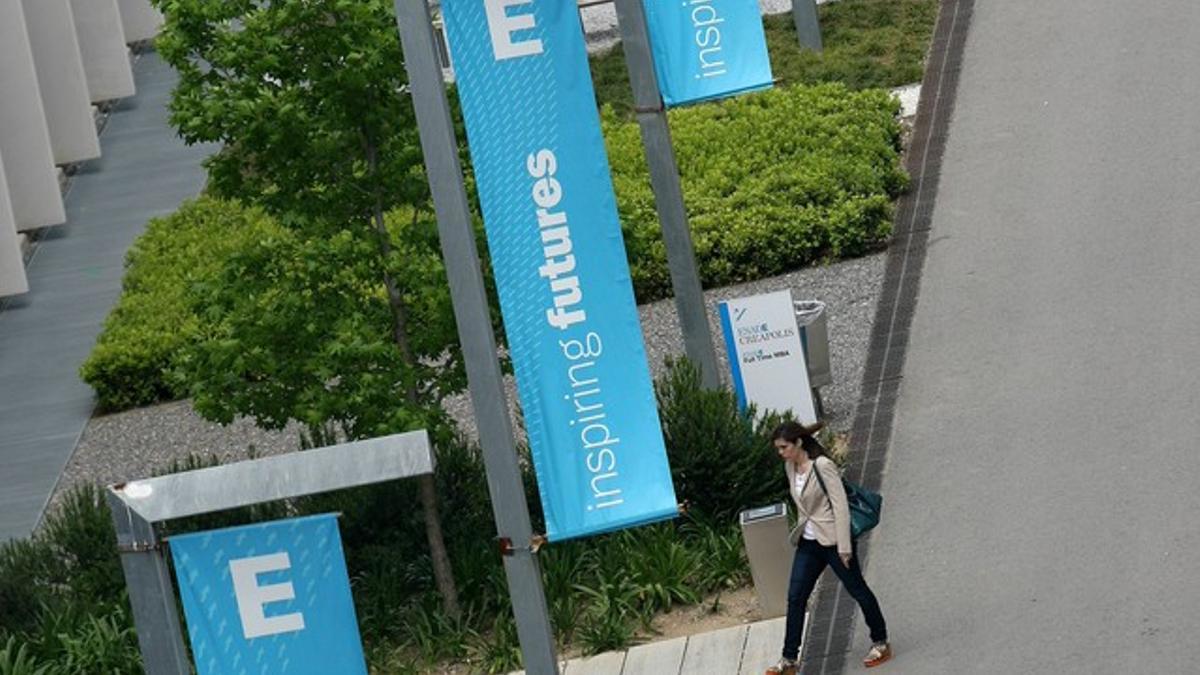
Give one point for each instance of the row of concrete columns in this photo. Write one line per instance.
(57, 59)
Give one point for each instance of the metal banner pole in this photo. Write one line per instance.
(808, 27)
(151, 596)
(475, 332)
(668, 195)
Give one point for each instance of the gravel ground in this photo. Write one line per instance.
(137, 443)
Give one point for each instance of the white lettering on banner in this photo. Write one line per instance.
(252, 598)
(586, 395)
(587, 398)
(502, 25)
(556, 242)
(706, 23)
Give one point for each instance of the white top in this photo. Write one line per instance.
(801, 479)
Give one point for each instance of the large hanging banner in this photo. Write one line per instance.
(559, 261)
(270, 598)
(707, 49)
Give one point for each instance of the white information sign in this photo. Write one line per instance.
(762, 340)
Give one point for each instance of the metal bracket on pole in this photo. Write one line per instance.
(668, 194)
(473, 316)
(808, 26)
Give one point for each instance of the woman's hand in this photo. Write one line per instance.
(845, 559)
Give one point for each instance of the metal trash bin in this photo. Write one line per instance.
(765, 533)
(814, 338)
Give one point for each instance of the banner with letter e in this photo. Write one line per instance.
(707, 49)
(559, 261)
(766, 356)
(269, 598)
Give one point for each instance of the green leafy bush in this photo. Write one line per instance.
(152, 321)
(16, 659)
(62, 596)
(721, 458)
(771, 181)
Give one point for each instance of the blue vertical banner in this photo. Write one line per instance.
(707, 49)
(559, 261)
(269, 599)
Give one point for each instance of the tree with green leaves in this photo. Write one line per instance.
(343, 322)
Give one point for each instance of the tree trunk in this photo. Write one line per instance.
(443, 573)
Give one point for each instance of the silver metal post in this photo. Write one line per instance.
(475, 332)
(668, 195)
(808, 27)
(148, 580)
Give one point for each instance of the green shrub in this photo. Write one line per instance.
(62, 595)
(16, 659)
(721, 458)
(71, 561)
(771, 181)
(151, 320)
(105, 645)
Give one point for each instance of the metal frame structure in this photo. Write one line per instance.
(138, 506)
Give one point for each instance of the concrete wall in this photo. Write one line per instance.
(24, 137)
(61, 80)
(140, 20)
(102, 44)
(12, 270)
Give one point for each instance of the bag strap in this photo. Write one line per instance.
(820, 480)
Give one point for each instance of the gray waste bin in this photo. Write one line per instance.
(814, 337)
(765, 532)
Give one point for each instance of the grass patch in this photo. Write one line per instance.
(868, 44)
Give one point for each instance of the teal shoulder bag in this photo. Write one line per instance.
(865, 505)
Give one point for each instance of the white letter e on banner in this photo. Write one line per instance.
(501, 25)
(252, 598)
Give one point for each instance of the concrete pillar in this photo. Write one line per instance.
(24, 138)
(12, 268)
(140, 19)
(105, 54)
(61, 80)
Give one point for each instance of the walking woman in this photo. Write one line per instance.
(822, 538)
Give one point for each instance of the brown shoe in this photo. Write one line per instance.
(880, 653)
(784, 667)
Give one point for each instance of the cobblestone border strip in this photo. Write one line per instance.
(828, 642)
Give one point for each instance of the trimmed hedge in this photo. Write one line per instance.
(152, 320)
(771, 181)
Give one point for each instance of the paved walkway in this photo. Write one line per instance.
(75, 276)
(1042, 479)
(741, 650)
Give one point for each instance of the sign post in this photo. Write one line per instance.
(473, 317)
(668, 194)
(138, 506)
(808, 26)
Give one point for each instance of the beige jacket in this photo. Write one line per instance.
(830, 517)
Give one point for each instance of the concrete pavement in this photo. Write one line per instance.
(1042, 480)
(739, 650)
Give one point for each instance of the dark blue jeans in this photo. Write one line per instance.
(811, 559)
